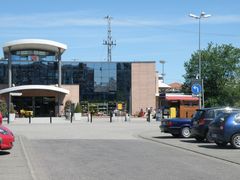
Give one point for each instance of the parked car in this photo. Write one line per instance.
(226, 128)
(202, 118)
(6, 138)
(176, 126)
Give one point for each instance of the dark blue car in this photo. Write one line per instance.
(176, 126)
(226, 129)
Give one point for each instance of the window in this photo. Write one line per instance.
(237, 118)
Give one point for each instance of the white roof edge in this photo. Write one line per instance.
(163, 85)
(31, 87)
(34, 41)
(172, 94)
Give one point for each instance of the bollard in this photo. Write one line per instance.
(29, 119)
(88, 118)
(51, 113)
(111, 115)
(91, 117)
(126, 117)
(71, 117)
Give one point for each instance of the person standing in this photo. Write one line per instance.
(148, 114)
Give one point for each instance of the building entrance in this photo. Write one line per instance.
(40, 106)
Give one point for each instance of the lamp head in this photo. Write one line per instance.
(194, 16)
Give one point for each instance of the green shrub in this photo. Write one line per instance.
(78, 108)
(3, 108)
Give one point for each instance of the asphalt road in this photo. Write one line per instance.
(105, 151)
(122, 159)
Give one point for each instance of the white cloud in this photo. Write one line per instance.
(68, 19)
(220, 19)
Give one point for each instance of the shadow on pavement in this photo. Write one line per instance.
(166, 137)
(192, 141)
(3, 153)
(214, 146)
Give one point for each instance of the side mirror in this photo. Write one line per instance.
(221, 119)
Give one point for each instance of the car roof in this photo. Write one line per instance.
(218, 108)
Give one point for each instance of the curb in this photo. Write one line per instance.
(186, 149)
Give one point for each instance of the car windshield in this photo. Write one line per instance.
(222, 116)
(198, 114)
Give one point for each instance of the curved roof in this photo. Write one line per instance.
(39, 44)
(31, 87)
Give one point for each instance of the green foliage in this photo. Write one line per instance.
(220, 73)
(78, 108)
(93, 108)
(3, 108)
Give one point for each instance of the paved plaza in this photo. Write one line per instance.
(135, 149)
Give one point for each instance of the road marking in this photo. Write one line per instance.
(29, 164)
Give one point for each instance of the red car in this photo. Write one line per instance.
(6, 138)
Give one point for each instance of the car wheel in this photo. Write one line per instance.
(185, 132)
(221, 144)
(209, 138)
(199, 139)
(235, 141)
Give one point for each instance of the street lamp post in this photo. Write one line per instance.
(163, 74)
(202, 15)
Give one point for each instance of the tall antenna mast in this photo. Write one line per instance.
(109, 42)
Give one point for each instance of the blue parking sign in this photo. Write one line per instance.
(196, 88)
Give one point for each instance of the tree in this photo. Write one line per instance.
(220, 73)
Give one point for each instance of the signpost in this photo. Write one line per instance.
(196, 88)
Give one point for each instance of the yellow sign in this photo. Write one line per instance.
(173, 112)
(119, 106)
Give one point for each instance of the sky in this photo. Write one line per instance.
(151, 30)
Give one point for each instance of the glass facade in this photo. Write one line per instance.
(32, 55)
(40, 72)
(31, 67)
(99, 81)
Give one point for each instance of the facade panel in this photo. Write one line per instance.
(143, 86)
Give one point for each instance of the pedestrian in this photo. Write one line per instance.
(148, 114)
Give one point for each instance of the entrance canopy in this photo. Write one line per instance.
(39, 44)
(34, 87)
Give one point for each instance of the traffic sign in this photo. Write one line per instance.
(196, 88)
